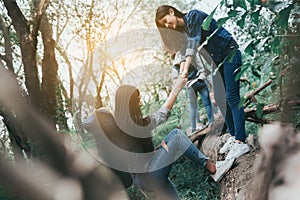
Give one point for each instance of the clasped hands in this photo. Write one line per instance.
(183, 74)
(202, 76)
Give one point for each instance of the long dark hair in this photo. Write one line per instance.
(128, 116)
(173, 40)
(127, 102)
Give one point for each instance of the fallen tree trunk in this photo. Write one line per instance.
(250, 113)
(249, 172)
(235, 182)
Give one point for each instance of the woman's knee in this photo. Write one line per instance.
(176, 131)
(173, 134)
(233, 99)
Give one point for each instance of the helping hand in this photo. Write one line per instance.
(184, 74)
(179, 83)
(202, 76)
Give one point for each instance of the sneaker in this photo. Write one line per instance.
(228, 145)
(199, 126)
(222, 168)
(237, 150)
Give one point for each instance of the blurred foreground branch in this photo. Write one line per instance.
(73, 174)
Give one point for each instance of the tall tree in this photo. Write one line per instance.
(42, 96)
(28, 46)
(49, 85)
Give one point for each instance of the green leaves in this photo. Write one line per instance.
(253, 44)
(283, 16)
(254, 2)
(255, 17)
(247, 45)
(242, 102)
(241, 22)
(259, 110)
(207, 21)
(223, 20)
(262, 42)
(240, 3)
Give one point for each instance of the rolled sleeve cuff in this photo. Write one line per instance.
(164, 112)
(190, 52)
(178, 59)
(159, 117)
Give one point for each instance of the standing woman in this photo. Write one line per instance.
(220, 46)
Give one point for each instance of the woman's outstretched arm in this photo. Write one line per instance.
(186, 65)
(180, 82)
(163, 113)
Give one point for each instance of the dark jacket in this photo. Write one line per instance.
(218, 45)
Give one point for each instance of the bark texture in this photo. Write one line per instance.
(266, 172)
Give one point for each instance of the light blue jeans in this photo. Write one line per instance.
(201, 88)
(157, 179)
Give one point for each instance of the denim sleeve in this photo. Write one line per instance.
(159, 117)
(194, 20)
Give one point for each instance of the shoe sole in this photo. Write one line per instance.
(225, 172)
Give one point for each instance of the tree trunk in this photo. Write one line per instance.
(236, 181)
(61, 120)
(8, 58)
(50, 67)
(266, 170)
(28, 50)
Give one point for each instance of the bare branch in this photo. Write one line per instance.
(255, 92)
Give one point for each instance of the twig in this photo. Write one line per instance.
(255, 92)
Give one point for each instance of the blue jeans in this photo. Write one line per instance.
(157, 179)
(229, 106)
(201, 88)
